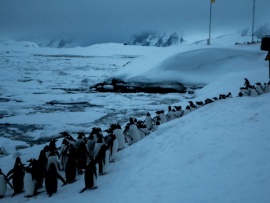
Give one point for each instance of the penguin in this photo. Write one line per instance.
(253, 92)
(199, 104)
(259, 88)
(192, 105)
(102, 159)
(53, 158)
(162, 116)
(266, 87)
(113, 146)
(156, 125)
(187, 110)
(80, 138)
(17, 174)
(118, 132)
(98, 145)
(52, 147)
(244, 91)
(148, 121)
(71, 166)
(29, 183)
(82, 157)
(247, 83)
(208, 101)
(3, 184)
(229, 95)
(222, 96)
(90, 176)
(51, 180)
(42, 163)
(179, 112)
(133, 131)
(142, 129)
(170, 114)
(37, 172)
(63, 153)
(90, 145)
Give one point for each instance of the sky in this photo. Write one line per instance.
(116, 21)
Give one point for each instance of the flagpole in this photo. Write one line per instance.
(210, 22)
(253, 22)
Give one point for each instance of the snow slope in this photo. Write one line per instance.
(218, 153)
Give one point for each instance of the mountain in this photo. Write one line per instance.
(164, 39)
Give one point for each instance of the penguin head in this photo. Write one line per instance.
(18, 161)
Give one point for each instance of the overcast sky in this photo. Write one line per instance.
(116, 20)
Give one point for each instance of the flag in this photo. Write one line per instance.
(213, 1)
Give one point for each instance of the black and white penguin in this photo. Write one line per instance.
(71, 166)
(156, 125)
(163, 117)
(247, 83)
(253, 92)
(102, 159)
(82, 154)
(113, 146)
(97, 147)
(259, 88)
(90, 145)
(208, 101)
(42, 162)
(51, 178)
(148, 121)
(187, 110)
(244, 91)
(3, 184)
(17, 174)
(133, 131)
(63, 153)
(52, 147)
(29, 182)
(90, 176)
(179, 112)
(53, 158)
(229, 95)
(118, 132)
(266, 87)
(222, 96)
(192, 105)
(37, 171)
(142, 129)
(170, 114)
(80, 139)
(199, 104)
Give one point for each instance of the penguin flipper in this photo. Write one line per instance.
(62, 179)
(10, 185)
(92, 188)
(83, 190)
(9, 173)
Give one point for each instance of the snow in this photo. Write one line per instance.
(217, 153)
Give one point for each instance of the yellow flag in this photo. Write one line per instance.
(213, 1)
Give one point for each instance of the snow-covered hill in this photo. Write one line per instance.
(164, 39)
